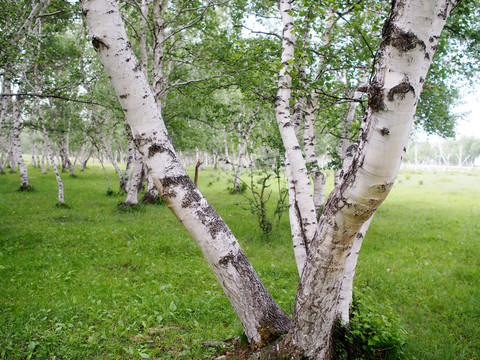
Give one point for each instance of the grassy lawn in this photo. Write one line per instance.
(96, 282)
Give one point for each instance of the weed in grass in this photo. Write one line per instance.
(28, 188)
(62, 206)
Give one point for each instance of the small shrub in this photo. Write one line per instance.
(241, 188)
(374, 332)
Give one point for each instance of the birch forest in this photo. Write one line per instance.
(315, 102)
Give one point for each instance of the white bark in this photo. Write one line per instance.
(48, 149)
(346, 291)
(299, 175)
(316, 173)
(108, 150)
(261, 317)
(137, 174)
(241, 155)
(410, 39)
(17, 150)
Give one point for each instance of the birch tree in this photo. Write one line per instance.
(409, 41)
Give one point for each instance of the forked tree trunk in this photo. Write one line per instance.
(409, 40)
(298, 174)
(261, 317)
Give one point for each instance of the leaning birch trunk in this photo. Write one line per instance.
(298, 170)
(261, 317)
(17, 150)
(409, 40)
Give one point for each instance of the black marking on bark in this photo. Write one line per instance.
(296, 147)
(157, 148)
(110, 12)
(404, 149)
(382, 188)
(400, 90)
(127, 60)
(144, 97)
(85, 12)
(421, 80)
(224, 261)
(191, 198)
(376, 97)
(435, 47)
(124, 96)
(401, 40)
(98, 43)
(287, 124)
(427, 56)
(169, 184)
(137, 67)
(384, 131)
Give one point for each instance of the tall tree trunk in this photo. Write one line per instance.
(409, 40)
(261, 317)
(298, 171)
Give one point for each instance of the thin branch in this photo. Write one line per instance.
(258, 32)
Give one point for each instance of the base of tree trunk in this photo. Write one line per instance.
(62, 206)
(26, 188)
(151, 199)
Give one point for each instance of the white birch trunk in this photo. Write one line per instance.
(318, 178)
(241, 155)
(17, 150)
(108, 150)
(137, 174)
(298, 171)
(261, 317)
(410, 38)
(48, 149)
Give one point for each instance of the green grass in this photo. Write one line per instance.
(96, 282)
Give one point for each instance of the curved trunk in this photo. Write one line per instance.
(261, 317)
(410, 37)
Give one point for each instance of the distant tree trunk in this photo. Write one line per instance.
(108, 150)
(100, 158)
(261, 317)
(130, 157)
(241, 154)
(48, 149)
(151, 194)
(135, 183)
(17, 150)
